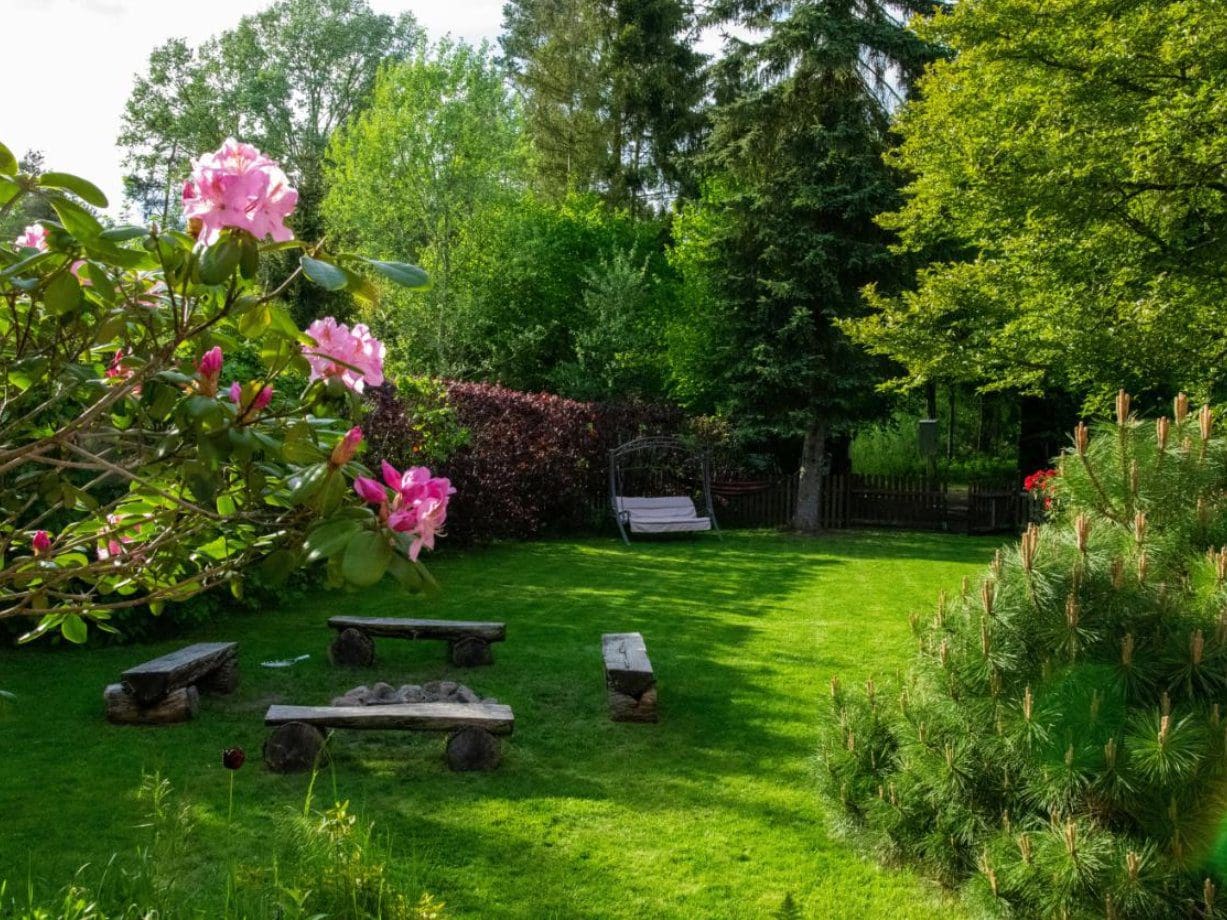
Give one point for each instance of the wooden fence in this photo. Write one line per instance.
(905, 502)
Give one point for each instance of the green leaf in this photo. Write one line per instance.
(330, 538)
(124, 233)
(77, 220)
(401, 273)
(8, 191)
(366, 559)
(305, 485)
(82, 188)
(63, 295)
(249, 262)
(74, 629)
(106, 251)
(278, 566)
(8, 162)
(406, 573)
(220, 260)
(328, 276)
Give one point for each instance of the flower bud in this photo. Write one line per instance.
(1122, 407)
(346, 448)
(370, 491)
(42, 543)
(1180, 407)
(1205, 420)
(209, 367)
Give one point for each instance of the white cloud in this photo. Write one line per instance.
(68, 65)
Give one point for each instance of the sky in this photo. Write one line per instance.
(67, 66)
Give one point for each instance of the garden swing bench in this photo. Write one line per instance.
(653, 484)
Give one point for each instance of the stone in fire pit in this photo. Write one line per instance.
(433, 691)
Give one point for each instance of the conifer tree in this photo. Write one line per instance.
(612, 93)
(1060, 743)
(796, 179)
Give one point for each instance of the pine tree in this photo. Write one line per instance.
(1060, 744)
(802, 122)
(612, 92)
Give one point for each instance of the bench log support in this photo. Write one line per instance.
(352, 648)
(473, 730)
(295, 747)
(472, 749)
(470, 652)
(629, 679)
(122, 707)
(468, 643)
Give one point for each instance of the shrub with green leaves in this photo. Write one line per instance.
(1059, 745)
(136, 466)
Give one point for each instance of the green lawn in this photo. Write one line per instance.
(710, 813)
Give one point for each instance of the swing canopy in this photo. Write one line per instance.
(658, 485)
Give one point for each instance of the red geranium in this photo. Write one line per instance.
(1040, 483)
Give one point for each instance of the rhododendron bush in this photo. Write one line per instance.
(134, 468)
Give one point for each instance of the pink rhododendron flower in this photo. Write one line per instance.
(41, 543)
(259, 402)
(209, 367)
(238, 186)
(117, 542)
(116, 370)
(370, 491)
(346, 448)
(418, 506)
(33, 237)
(432, 515)
(354, 356)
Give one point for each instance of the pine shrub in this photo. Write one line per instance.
(1059, 745)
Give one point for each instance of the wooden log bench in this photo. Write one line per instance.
(167, 689)
(468, 643)
(297, 740)
(629, 679)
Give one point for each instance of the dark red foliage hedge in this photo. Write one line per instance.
(532, 462)
(535, 462)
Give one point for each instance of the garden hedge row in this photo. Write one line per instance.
(523, 464)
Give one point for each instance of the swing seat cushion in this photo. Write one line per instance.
(668, 514)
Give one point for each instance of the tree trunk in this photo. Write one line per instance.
(807, 517)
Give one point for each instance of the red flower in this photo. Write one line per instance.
(233, 758)
(1040, 483)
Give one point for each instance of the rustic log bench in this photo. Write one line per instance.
(629, 678)
(167, 689)
(297, 742)
(468, 643)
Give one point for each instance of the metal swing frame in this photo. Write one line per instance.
(645, 453)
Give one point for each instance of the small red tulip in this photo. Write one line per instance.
(233, 758)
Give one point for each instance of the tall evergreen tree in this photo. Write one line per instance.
(552, 48)
(612, 94)
(800, 126)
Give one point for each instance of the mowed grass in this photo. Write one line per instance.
(710, 813)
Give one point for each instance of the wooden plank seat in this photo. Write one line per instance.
(468, 642)
(666, 514)
(167, 689)
(297, 740)
(629, 678)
